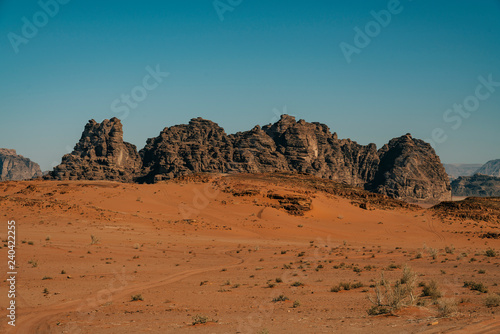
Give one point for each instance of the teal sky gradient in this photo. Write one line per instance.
(264, 57)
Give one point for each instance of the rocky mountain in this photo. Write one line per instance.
(491, 168)
(410, 169)
(456, 170)
(404, 168)
(16, 167)
(101, 154)
(478, 185)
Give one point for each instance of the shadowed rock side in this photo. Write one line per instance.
(410, 169)
(14, 167)
(477, 185)
(101, 154)
(405, 168)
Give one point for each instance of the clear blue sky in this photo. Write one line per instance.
(263, 56)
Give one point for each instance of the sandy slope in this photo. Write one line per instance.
(195, 248)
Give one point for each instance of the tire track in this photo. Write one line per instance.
(37, 322)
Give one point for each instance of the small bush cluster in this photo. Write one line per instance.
(476, 286)
(346, 286)
(280, 298)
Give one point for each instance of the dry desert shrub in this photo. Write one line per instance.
(447, 307)
(200, 319)
(137, 297)
(431, 290)
(492, 300)
(392, 296)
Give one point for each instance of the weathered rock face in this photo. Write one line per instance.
(477, 185)
(405, 168)
(203, 146)
(491, 168)
(101, 154)
(200, 146)
(312, 148)
(410, 169)
(15, 167)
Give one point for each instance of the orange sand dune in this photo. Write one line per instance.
(189, 248)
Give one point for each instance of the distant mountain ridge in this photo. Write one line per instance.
(405, 168)
(456, 170)
(491, 168)
(14, 167)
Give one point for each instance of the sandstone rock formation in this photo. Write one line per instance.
(477, 185)
(15, 167)
(410, 169)
(405, 168)
(101, 154)
(491, 168)
(200, 146)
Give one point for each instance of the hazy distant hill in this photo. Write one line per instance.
(456, 170)
(491, 168)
